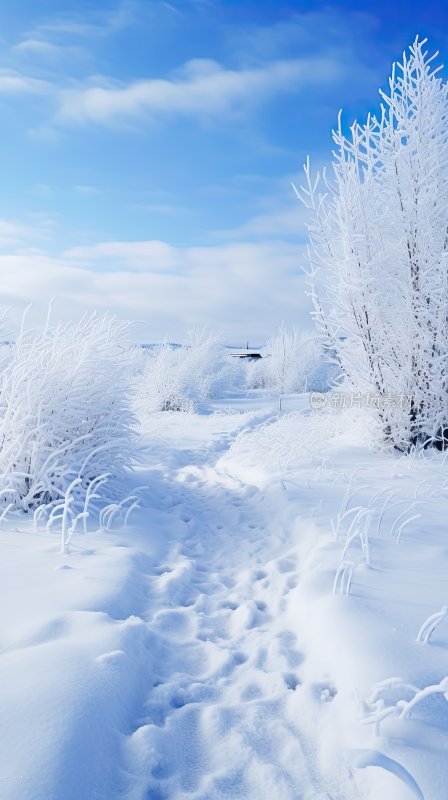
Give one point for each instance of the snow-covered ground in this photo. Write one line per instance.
(202, 653)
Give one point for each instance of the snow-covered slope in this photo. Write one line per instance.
(202, 654)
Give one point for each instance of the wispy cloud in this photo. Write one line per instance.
(287, 221)
(260, 63)
(35, 50)
(13, 83)
(14, 233)
(96, 22)
(145, 255)
(202, 87)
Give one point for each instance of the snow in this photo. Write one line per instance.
(201, 653)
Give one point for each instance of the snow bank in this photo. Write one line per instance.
(302, 439)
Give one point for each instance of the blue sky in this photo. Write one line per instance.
(147, 150)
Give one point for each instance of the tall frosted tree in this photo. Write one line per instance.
(379, 253)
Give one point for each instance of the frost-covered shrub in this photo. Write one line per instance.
(206, 367)
(292, 358)
(178, 378)
(378, 253)
(255, 373)
(163, 382)
(64, 412)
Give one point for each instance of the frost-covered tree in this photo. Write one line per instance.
(65, 418)
(379, 253)
(291, 359)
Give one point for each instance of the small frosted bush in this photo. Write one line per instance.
(64, 411)
(256, 377)
(206, 368)
(163, 383)
(179, 378)
(292, 358)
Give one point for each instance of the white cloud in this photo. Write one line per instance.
(282, 222)
(37, 49)
(95, 22)
(9, 228)
(39, 46)
(14, 233)
(201, 87)
(16, 83)
(146, 255)
(240, 289)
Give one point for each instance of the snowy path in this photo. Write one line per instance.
(213, 616)
(223, 712)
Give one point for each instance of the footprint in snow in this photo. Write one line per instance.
(236, 659)
(162, 570)
(291, 680)
(196, 693)
(188, 601)
(156, 794)
(161, 772)
(251, 692)
(174, 623)
(230, 604)
(287, 649)
(261, 659)
(286, 565)
(247, 616)
(324, 692)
